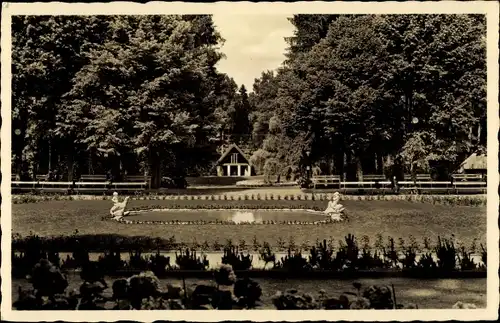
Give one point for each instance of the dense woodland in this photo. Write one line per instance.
(360, 93)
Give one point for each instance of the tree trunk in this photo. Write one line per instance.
(50, 156)
(344, 167)
(359, 168)
(155, 169)
(479, 134)
(71, 166)
(379, 163)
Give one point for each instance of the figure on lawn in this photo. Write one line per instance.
(118, 209)
(334, 210)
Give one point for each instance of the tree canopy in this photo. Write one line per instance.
(143, 94)
(373, 89)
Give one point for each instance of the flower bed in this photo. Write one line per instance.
(350, 257)
(50, 289)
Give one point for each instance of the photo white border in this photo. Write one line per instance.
(490, 8)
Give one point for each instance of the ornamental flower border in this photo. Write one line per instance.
(222, 222)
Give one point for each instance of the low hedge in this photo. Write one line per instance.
(464, 200)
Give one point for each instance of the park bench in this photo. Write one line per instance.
(326, 180)
(133, 183)
(41, 178)
(418, 177)
(92, 183)
(137, 178)
(466, 177)
(470, 186)
(55, 186)
(93, 178)
(375, 181)
(23, 186)
(374, 178)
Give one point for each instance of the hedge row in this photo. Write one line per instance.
(466, 200)
(104, 242)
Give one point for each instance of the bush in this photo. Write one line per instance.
(237, 260)
(446, 254)
(188, 260)
(293, 300)
(293, 262)
(248, 293)
(379, 296)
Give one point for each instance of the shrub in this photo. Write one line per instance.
(188, 260)
(225, 275)
(47, 280)
(137, 260)
(238, 261)
(484, 257)
(379, 296)
(292, 300)
(321, 256)
(159, 264)
(466, 262)
(248, 293)
(143, 286)
(293, 262)
(111, 261)
(446, 254)
(280, 243)
(390, 253)
(426, 262)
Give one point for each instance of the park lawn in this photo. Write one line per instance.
(398, 219)
(427, 294)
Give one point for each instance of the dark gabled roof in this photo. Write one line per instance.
(228, 150)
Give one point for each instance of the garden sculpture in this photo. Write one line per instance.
(118, 209)
(334, 210)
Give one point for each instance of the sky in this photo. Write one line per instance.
(254, 43)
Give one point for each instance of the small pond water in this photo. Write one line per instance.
(237, 216)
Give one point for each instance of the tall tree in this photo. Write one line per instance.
(154, 78)
(241, 130)
(47, 53)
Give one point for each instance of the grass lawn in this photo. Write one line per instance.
(427, 294)
(398, 219)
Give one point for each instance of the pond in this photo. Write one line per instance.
(237, 216)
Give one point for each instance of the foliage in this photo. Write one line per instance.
(236, 259)
(152, 94)
(248, 292)
(225, 275)
(293, 261)
(188, 260)
(374, 87)
(292, 300)
(446, 254)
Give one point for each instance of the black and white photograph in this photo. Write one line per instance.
(233, 156)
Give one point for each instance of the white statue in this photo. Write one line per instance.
(118, 209)
(334, 210)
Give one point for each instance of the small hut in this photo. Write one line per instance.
(474, 164)
(234, 162)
